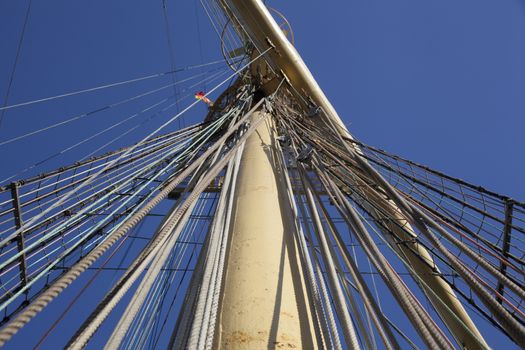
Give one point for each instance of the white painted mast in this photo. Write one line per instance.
(254, 19)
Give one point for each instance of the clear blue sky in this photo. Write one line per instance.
(438, 82)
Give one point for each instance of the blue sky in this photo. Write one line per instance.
(438, 82)
(441, 83)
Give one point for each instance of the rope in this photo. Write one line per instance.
(160, 254)
(105, 86)
(15, 64)
(333, 334)
(318, 311)
(109, 106)
(222, 258)
(79, 294)
(90, 179)
(74, 246)
(207, 286)
(420, 219)
(341, 308)
(145, 286)
(85, 332)
(380, 322)
(68, 277)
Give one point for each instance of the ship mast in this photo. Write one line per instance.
(254, 20)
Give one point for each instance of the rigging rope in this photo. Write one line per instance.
(90, 179)
(15, 64)
(109, 106)
(105, 86)
(91, 325)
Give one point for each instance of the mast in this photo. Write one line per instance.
(272, 195)
(257, 22)
(264, 300)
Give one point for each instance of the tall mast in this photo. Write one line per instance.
(280, 222)
(257, 23)
(264, 300)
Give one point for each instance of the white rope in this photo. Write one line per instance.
(90, 179)
(146, 285)
(89, 327)
(333, 332)
(91, 229)
(87, 114)
(422, 323)
(201, 315)
(107, 86)
(340, 302)
(222, 258)
(318, 311)
(160, 255)
(82, 337)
